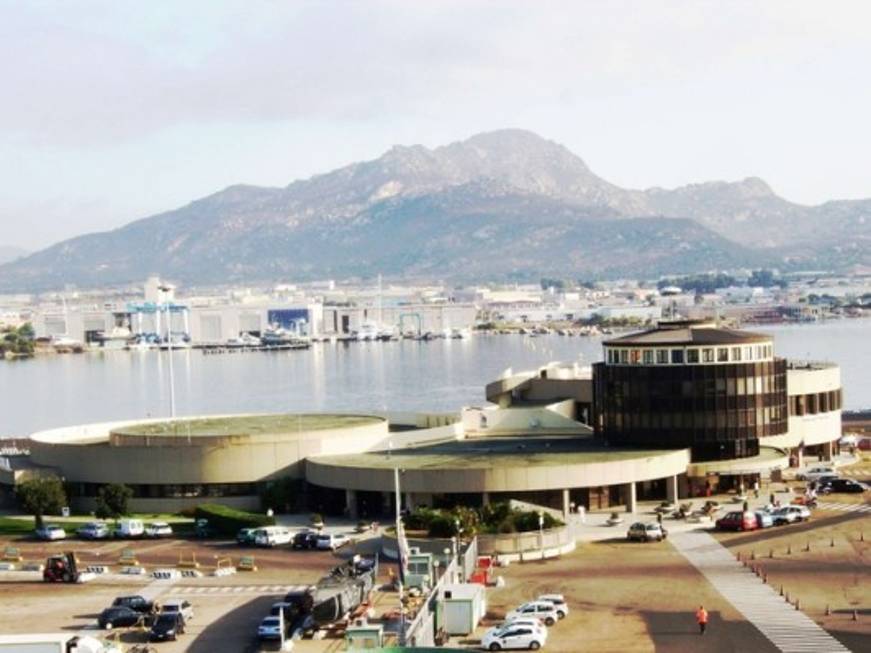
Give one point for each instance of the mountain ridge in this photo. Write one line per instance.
(505, 182)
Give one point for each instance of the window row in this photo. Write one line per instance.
(688, 355)
(819, 402)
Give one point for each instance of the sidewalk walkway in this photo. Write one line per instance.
(790, 630)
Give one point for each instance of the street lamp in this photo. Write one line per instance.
(541, 533)
(164, 289)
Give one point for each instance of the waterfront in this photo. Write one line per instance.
(441, 375)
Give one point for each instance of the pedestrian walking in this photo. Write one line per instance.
(756, 489)
(702, 619)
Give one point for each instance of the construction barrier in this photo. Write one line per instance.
(224, 571)
(133, 570)
(166, 574)
(191, 573)
(12, 554)
(32, 566)
(246, 563)
(97, 569)
(188, 563)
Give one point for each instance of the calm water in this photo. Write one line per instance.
(438, 376)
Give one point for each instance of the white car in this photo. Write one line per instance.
(559, 602)
(332, 541)
(269, 628)
(158, 529)
(94, 531)
(532, 622)
(51, 532)
(814, 473)
(514, 637)
(544, 611)
(179, 605)
(790, 514)
(646, 532)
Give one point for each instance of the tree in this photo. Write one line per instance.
(39, 496)
(112, 500)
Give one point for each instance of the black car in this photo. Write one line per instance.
(305, 540)
(118, 616)
(134, 602)
(167, 626)
(843, 485)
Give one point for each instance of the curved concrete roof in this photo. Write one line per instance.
(511, 464)
(767, 459)
(688, 334)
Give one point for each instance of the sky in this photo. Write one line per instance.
(115, 110)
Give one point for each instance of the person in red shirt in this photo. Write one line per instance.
(702, 619)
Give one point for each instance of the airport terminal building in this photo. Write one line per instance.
(680, 410)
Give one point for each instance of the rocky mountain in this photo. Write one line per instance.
(504, 204)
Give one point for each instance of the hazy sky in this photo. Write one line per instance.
(115, 110)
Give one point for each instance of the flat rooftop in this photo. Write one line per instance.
(247, 425)
(493, 453)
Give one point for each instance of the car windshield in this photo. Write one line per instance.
(270, 622)
(166, 620)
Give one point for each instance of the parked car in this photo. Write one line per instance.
(51, 532)
(764, 519)
(514, 637)
(737, 521)
(158, 529)
(559, 602)
(167, 626)
(130, 528)
(305, 540)
(180, 606)
(813, 473)
(846, 485)
(246, 536)
(332, 541)
(532, 622)
(646, 532)
(790, 514)
(544, 611)
(119, 616)
(94, 531)
(273, 536)
(269, 628)
(134, 602)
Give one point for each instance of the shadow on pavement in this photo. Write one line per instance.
(678, 632)
(235, 630)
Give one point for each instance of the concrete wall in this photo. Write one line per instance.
(518, 420)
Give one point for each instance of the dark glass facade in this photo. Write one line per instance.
(719, 411)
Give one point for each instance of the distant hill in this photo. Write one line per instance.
(505, 204)
(9, 253)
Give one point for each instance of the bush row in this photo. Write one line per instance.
(227, 521)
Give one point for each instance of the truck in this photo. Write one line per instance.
(61, 643)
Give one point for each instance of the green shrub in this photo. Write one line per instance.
(420, 519)
(228, 521)
(441, 526)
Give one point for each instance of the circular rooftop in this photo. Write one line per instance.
(496, 465)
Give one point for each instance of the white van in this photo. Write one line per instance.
(272, 536)
(130, 528)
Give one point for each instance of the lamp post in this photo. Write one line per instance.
(164, 289)
(541, 533)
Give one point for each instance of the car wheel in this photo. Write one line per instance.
(549, 621)
(561, 614)
(534, 646)
(495, 647)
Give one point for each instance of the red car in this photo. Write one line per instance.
(737, 521)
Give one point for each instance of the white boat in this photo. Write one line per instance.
(367, 331)
(141, 344)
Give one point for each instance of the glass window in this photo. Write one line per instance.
(635, 356)
(723, 355)
(677, 356)
(748, 353)
(736, 354)
(648, 357)
(692, 355)
(662, 356)
(708, 355)
(624, 356)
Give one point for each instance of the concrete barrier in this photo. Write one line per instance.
(133, 570)
(166, 574)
